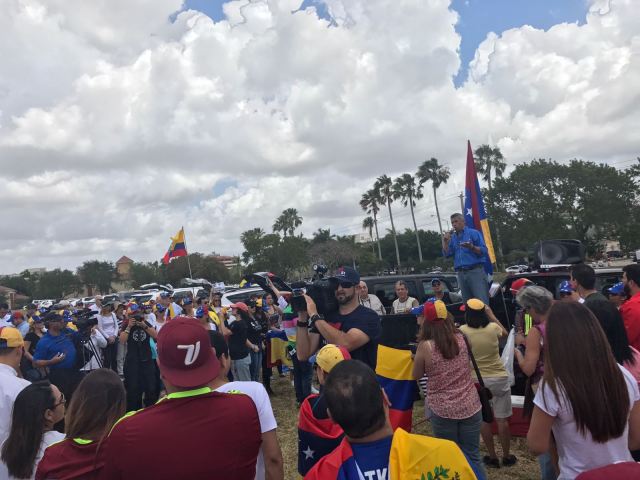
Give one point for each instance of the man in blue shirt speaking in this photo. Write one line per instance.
(468, 250)
(56, 351)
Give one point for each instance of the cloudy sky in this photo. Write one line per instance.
(122, 120)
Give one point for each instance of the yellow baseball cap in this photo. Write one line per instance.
(10, 338)
(329, 356)
(475, 304)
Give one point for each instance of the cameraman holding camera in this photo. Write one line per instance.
(139, 367)
(353, 326)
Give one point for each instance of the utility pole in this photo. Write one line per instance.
(462, 203)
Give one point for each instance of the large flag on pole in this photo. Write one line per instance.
(178, 248)
(475, 215)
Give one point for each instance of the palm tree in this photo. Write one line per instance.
(406, 190)
(384, 187)
(287, 222)
(368, 224)
(490, 161)
(370, 203)
(432, 171)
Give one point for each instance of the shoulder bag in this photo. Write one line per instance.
(483, 392)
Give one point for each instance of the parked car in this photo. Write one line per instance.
(419, 286)
(241, 295)
(513, 269)
(503, 302)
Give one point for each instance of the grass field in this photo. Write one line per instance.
(286, 412)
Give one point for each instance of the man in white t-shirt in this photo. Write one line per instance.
(404, 303)
(369, 300)
(11, 350)
(270, 456)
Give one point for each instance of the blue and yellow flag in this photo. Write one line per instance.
(418, 456)
(277, 342)
(394, 370)
(178, 247)
(475, 215)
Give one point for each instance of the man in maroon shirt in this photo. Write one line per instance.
(630, 310)
(193, 432)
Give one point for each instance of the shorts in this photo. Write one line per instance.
(501, 402)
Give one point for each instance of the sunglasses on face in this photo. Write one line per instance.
(345, 284)
(565, 294)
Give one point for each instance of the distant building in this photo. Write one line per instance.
(12, 297)
(123, 267)
(362, 237)
(229, 262)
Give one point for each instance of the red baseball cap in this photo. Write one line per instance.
(240, 305)
(17, 315)
(185, 356)
(519, 284)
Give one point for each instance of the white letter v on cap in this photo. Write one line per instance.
(192, 352)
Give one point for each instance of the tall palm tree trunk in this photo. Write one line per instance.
(435, 200)
(393, 230)
(415, 228)
(375, 222)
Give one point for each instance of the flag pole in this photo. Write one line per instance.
(185, 247)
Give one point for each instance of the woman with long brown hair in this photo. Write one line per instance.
(451, 400)
(97, 404)
(589, 402)
(36, 410)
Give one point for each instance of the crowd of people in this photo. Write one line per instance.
(172, 389)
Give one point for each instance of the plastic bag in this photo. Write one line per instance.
(508, 355)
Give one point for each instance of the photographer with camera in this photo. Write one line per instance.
(139, 368)
(56, 351)
(89, 341)
(352, 326)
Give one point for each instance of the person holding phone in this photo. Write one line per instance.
(469, 253)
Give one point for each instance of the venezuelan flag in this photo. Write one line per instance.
(418, 456)
(338, 465)
(317, 437)
(475, 215)
(178, 247)
(277, 342)
(394, 371)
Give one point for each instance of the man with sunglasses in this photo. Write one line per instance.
(355, 327)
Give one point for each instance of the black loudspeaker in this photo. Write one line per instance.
(399, 330)
(558, 252)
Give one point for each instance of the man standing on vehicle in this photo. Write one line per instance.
(630, 310)
(172, 309)
(353, 326)
(469, 252)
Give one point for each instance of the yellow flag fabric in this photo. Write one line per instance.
(418, 457)
(394, 364)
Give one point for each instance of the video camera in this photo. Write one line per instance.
(321, 290)
(85, 320)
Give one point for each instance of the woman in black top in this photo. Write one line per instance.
(239, 344)
(31, 339)
(255, 334)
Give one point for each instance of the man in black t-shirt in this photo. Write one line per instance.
(139, 367)
(353, 326)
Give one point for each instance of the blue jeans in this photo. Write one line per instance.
(547, 472)
(240, 369)
(473, 284)
(465, 433)
(302, 375)
(256, 365)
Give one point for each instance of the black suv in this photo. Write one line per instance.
(503, 303)
(419, 286)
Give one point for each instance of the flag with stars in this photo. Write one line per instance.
(475, 216)
(318, 435)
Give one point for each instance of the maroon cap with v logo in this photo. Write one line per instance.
(185, 356)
